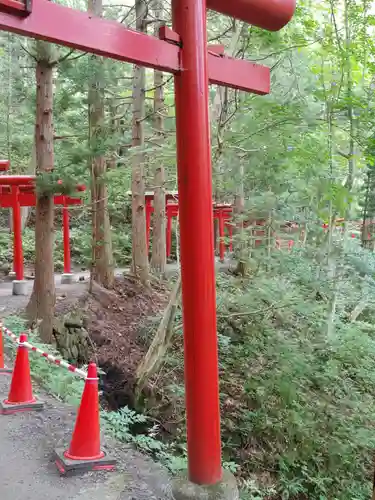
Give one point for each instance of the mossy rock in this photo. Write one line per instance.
(74, 352)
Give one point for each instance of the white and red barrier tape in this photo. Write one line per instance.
(49, 357)
(8, 333)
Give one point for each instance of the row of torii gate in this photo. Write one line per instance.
(223, 213)
(18, 191)
(182, 51)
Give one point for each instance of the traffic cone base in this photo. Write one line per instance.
(84, 453)
(72, 457)
(20, 396)
(7, 408)
(68, 466)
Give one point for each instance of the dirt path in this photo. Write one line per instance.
(9, 303)
(27, 471)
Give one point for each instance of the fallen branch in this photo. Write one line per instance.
(359, 308)
(160, 343)
(258, 311)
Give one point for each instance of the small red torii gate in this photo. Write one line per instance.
(18, 191)
(222, 212)
(184, 53)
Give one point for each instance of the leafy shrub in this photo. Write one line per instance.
(297, 404)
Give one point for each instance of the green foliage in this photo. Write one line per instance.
(51, 183)
(250, 490)
(120, 424)
(297, 404)
(303, 400)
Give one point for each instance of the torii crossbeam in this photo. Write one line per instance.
(184, 53)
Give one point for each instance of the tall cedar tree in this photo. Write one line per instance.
(158, 260)
(102, 267)
(139, 245)
(42, 301)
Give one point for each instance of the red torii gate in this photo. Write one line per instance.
(18, 191)
(184, 53)
(222, 212)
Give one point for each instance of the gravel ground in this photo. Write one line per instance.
(27, 471)
(9, 303)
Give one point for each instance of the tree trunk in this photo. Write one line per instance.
(239, 243)
(42, 301)
(364, 239)
(113, 130)
(219, 113)
(349, 97)
(139, 245)
(26, 211)
(102, 268)
(158, 260)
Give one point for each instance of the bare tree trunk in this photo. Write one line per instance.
(9, 101)
(102, 268)
(139, 245)
(364, 217)
(26, 211)
(42, 301)
(113, 130)
(331, 262)
(158, 260)
(239, 243)
(219, 114)
(349, 97)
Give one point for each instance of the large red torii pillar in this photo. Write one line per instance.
(197, 255)
(184, 53)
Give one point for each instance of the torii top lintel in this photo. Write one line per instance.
(271, 15)
(45, 20)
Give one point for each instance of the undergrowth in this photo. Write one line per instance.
(80, 242)
(297, 385)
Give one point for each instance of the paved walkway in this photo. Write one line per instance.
(27, 471)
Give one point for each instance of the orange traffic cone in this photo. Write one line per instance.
(84, 452)
(21, 392)
(3, 368)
